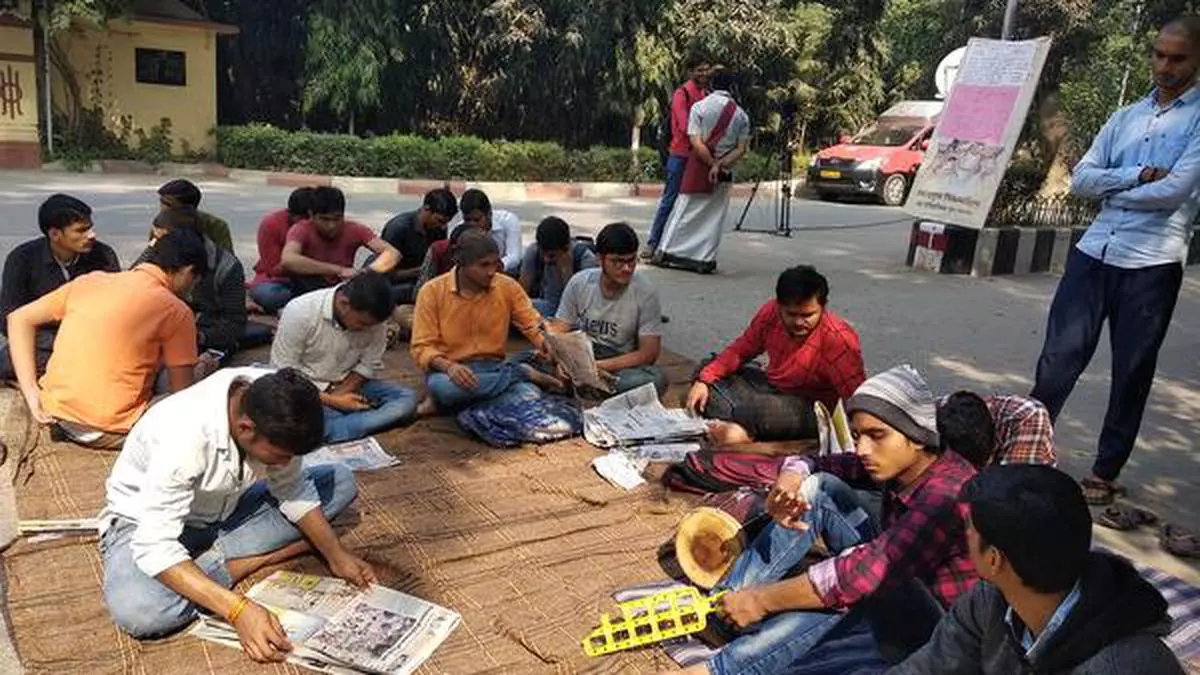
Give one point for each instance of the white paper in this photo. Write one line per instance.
(668, 453)
(364, 454)
(620, 470)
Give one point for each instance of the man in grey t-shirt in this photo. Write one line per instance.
(619, 310)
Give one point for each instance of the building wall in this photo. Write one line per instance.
(105, 67)
(19, 147)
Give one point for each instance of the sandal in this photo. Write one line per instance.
(1179, 541)
(1125, 517)
(1100, 493)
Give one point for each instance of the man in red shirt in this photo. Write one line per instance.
(270, 289)
(320, 251)
(812, 355)
(699, 69)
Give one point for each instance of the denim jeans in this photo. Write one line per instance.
(392, 405)
(271, 295)
(781, 643)
(632, 378)
(674, 171)
(495, 378)
(145, 608)
(547, 308)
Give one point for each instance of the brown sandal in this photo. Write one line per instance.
(1125, 517)
(1179, 541)
(1100, 493)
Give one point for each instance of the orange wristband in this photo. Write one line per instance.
(238, 608)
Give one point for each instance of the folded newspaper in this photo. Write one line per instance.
(574, 353)
(623, 467)
(833, 430)
(365, 454)
(637, 417)
(337, 628)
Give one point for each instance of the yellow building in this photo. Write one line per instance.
(18, 88)
(160, 63)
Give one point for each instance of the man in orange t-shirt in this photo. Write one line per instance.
(115, 330)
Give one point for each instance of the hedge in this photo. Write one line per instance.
(269, 148)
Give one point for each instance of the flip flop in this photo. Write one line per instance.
(1179, 541)
(1099, 493)
(1125, 517)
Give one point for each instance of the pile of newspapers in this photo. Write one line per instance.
(637, 417)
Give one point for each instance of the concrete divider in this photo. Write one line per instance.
(365, 186)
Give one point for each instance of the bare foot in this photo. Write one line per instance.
(727, 433)
(547, 382)
(427, 408)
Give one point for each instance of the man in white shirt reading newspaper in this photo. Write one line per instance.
(187, 517)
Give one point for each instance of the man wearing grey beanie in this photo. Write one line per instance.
(892, 575)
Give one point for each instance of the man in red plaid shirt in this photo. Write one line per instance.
(996, 429)
(812, 355)
(891, 577)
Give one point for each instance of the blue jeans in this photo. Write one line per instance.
(1138, 304)
(271, 295)
(783, 643)
(495, 378)
(392, 405)
(674, 170)
(547, 308)
(145, 608)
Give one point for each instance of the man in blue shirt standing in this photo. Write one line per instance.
(1144, 167)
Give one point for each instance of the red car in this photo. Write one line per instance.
(882, 159)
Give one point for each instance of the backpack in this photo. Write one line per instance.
(708, 472)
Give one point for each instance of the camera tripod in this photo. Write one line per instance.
(783, 204)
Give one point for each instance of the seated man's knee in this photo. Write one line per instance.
(148, 615)
(660, 380)
(335, 486)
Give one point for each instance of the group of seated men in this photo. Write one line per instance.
(955, 493)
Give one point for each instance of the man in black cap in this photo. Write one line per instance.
(183, 193)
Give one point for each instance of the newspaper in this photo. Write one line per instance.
(337, 628)
(574, 353)
(833, 430)
(637, 417)
(365, 454)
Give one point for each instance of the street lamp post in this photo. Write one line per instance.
(1010, 18)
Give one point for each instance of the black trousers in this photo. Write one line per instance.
(1138, 304)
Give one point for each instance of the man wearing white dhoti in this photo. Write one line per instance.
(719, 131)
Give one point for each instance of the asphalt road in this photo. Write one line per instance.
(960, 332)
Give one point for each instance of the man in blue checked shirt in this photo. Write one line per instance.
(1144, 166)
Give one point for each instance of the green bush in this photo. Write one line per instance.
(455, 157)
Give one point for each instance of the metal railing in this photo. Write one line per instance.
(1042, 212)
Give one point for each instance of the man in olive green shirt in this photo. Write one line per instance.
(184, 193)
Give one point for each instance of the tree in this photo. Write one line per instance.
(344, 60)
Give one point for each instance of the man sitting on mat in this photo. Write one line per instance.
(898, 563)
(186, 518)
(812, 355)
(619, 310)
(460, 330)
(336, 337)
(997, 429)
(115, 332)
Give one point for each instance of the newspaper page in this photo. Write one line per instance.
(319, 615)
(365, 454)
(385, 631)
(638, 417)
(573, 351)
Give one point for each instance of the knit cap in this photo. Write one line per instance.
(901, 398)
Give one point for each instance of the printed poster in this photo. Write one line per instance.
(977, 132)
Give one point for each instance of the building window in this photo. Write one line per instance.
(160, 66)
